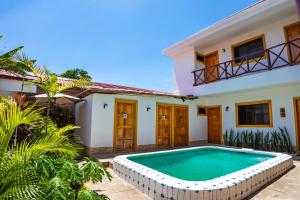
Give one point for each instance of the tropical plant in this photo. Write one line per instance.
(231, 137)
(286, 140)
(64, 178)
(9, 61)
(276, 140)
(226, 138)
(76, 74)
(42, 167)
(49, 82)
(17, 181)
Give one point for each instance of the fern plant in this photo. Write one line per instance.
(43, 167)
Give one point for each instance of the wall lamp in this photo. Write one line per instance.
(148, 108)
(227, 108)
(105, 105)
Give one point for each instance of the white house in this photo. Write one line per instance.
(245, 70)
(240, 73)
(11, 84)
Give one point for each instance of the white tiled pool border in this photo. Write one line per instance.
(237, 185)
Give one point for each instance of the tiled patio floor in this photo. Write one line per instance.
(285, 188)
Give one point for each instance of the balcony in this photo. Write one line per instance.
(276, 57)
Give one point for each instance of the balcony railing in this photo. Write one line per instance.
(282, 55)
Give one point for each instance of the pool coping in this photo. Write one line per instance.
(248, 179)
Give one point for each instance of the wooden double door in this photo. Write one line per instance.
(214, 124)
(125, 125)
(172, 125)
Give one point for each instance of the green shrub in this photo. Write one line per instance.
(276, 140)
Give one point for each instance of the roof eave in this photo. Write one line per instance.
(234, 19)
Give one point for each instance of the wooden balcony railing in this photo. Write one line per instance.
(282, 55)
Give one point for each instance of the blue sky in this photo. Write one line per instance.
(116, 41)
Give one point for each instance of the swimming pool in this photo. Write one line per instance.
(201, 172)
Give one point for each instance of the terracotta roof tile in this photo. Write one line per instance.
(95, 88)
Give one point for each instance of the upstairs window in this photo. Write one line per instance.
(199, 58)
(252, 48)
(254, 114)
(201, 110)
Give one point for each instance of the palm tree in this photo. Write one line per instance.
(18, 180)
(9, 61)
(49, 82)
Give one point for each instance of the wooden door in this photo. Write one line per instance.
(293, 32)
(212, 71)
(164, 125)
(297, 120)
(125, 125)
(214, 124)
(181, 124)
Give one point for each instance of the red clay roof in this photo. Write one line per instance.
(95, 88)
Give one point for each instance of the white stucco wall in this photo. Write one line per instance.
(97, 123)
(274, 35)
(184, 64)
(83, 119)
(281, 96)
(8, 86)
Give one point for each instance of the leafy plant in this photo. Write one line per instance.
(42, 167)
(231, 137)
(286, 139)
(226, 138)
(16, 180)
(276, 140)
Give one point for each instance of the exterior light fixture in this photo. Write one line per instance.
(105, 105)
(227, 108)
(148, 108)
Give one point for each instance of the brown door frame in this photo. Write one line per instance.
(135, 104)
(217, 55)
(296, 115)
(187, 135)
(286, 37)
(172, 121)
(221, 121)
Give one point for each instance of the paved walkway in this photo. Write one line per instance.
(118, 189)
(285, 188)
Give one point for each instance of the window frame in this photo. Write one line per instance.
(262, 36)
(270, 125)
(286, 37)
(199, 106)
(199, 54)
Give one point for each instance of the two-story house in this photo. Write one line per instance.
(241, 73)
(245, 69)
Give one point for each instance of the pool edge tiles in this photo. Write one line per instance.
(236, 185)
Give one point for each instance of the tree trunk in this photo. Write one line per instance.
(48, 107)
(20, 101)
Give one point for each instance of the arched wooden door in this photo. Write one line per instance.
(214, 124)
(181, 125)
(125, 126)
